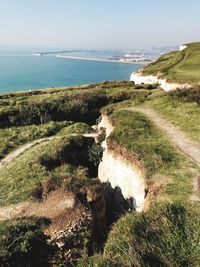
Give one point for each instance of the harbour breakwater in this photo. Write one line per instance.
(99, 60)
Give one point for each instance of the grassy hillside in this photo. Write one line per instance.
(180, 107)
(165, 235)
(180, 66)
(74, 104)
(13, 137)
(56, 162)
(141, 140)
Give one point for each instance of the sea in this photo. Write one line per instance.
(21, 70)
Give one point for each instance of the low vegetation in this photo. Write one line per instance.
(51, 164)
(139, 140)
(166, 235)
(13, 137)
(26, 109)
(23, 243)
(76, 128)
(181, 107)
(137, 134)
(28, 116)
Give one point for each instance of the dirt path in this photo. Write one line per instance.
(178, 138)
(51, 207)
(10, 157)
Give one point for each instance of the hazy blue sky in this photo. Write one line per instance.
(117, 24)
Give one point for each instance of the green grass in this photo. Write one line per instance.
(76, 128)
(142, 141)
(139, 97)
(167, 235)
(181, 66)
(63, 105)
(13, 137)
(182, 108)
(29, 110)
(62, 161)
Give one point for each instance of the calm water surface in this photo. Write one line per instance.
(24, 71)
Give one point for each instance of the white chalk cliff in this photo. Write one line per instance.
(182, 47)
(121, 173)
(139, 78)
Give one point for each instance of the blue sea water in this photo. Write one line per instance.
(22, 71)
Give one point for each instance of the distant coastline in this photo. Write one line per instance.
(101, 60)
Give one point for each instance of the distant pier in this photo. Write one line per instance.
(55, 52)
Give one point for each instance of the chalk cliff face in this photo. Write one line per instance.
(105, 123)
(183, 47)
(120, 173)
(138, 78)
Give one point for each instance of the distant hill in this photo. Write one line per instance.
(178, 66)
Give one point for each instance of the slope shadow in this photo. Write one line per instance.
(116, 204)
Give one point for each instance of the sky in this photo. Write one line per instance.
(99, 24)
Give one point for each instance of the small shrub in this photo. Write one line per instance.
(95, 154)
(191, 95)
(23, 243)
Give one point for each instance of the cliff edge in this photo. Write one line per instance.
(176, 69)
